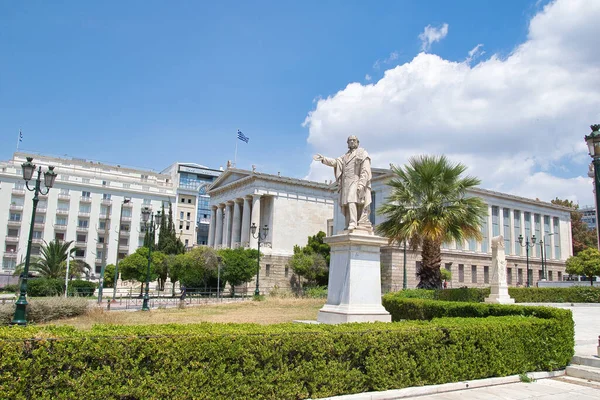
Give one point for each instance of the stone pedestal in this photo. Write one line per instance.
(499, 288)
(354, 291)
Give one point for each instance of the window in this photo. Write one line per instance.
(85, 194)
(61, 220)
(126, 212)
(106, 196)
(37, 234)
(102, 225)
(11, 248)
(268, 270)
(146, 202)
(81, 238)
(17, 201)
(79, 252)
(105, 183)
(104, 210)
(509, 276)
(473, 273)
(538, 231)
(64, 191)
(125, 227)
(506, 229)
(100, 239)
(180, 226)
(520, 276)
(448, 267)
(189, 201)
(540, 275)
(187, 227)
(59, 236)
(144, 178)
(550, 275)
(459, 245)
(181, 215)
(13, 233)
(82, 223)
(556, 239)
(495, 221)
(517, 231)
(187, 242)
(189, 215)
(461, 273)
(472, 244)
(123, 242)
(547, 238)
(9, 263)
(39, 219)
(183, 200)
(98, 269)
(286, 271)
(85, 208)
(35, 250)
(15, 216)
(559, 275)
(485, 234)
(486, 274)
(63, 206)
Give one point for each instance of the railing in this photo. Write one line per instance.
(85, 199)
(126, 219)
(80, 244)
(14, 222)
(62, 211)
(60, 227)
(12, 239)
(39, 225)
(82, 228)
(16, 207)
(10, 255)
(64, 196)
(83, 214)
(37, 240)
(106, 202)
(19, 192)
(41, 209)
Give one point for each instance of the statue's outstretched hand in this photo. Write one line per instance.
(318, 157)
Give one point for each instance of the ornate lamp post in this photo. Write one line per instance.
(151, 225)
(527, 246)
(262, 234)
(20, 317)
(544, 255)
(593, 142)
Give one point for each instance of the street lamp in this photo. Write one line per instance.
(593, 142)
(126, 200)
(151, 225)
(527, 246)
(20, 317)
(261, 235)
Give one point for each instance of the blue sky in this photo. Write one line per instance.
(146, 83)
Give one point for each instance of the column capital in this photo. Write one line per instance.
(256, 195)
(221, 205)
(214, 207)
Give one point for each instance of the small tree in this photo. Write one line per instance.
(310, 266)
(239, 266)
(109, 276)
(197, 268)
(586, 262)
(135, 266)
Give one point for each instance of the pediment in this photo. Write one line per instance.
(228, 177)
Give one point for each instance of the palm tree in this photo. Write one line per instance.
(427, 206)
(53, 260)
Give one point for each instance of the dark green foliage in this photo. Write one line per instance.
(476, 295)
(109, 276)
(82, 288)
(43, 287)
(52, 262)
(312, 261)
(416, 294)
(135, 266)
(168, 242)
(196, 269)
(239, 265)
(586, 263)
(315, 245)
(575, 294)
(288, 361)
(10, 288)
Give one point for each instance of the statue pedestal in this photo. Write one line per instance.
(499, 288)
(499, 295)
(354, 291)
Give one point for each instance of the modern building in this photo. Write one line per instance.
(588, 216)
(191, 211)
(95, 205)
(294, 209)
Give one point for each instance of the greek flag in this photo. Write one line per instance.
(20, 136)
(242, 137)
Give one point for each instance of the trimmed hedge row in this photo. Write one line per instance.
(576, 294)
(45, 287)
(287, 361)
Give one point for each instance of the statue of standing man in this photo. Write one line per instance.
(353, 176)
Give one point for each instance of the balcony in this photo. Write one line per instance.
(124, 233)
(82, 229)
(126, 219)
(81, 244)
(41, 210)
(12, 239)
(85, 199)
(60, 227)
(18, 192)
(102, 231)
(103, 216)
(123, 247)
(79, 258)
(42, 196)
(127, 205)
(14, 222)
(37, 240)
(10, 254)
(98, 261)
(62, 211)
(99, 245)
(106, 202)
(83, 214)
(64, 196)
(16, 207)
(38, 225)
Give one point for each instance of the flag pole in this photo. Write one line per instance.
(18, 140)
(235, 155)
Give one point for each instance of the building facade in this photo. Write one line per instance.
(295, 209)
(95, 205)
(291, 209)
(588, 216)
(191, 210)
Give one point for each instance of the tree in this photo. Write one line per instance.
(311, 266)
(109, 276)
(586, 263)
(316, 245)
(135, 266)
(53, 260)
(197, 268)
(168, 242)
(177, 265)
(582, 236)
(239, 265)
(428, 205)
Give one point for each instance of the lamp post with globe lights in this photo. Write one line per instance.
(527, 246)
(260, 235)
(593, 143)
(151, 223)
(20, 317)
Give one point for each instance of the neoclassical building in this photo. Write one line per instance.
(294, 209)
(291, 209)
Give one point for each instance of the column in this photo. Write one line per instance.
(219, 226)
(255, 219)
(211, 227)
(512, 237)
(552, 243)
(490, 228)
(245, 238)
(237, 224)
(227, 227)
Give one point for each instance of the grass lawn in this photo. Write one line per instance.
(269, 311)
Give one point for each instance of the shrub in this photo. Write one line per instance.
(44, 310)
(416, 294)
(80, 287)
(10, 288)
(315, 292)
(575, 294)
(287, 361)
(45, 287)
(476, 295)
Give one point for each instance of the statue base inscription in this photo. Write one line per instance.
(354, 291)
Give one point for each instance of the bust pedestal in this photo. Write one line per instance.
(354, 291)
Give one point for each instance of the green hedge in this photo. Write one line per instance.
(80, 287)
(575, 294)
(288, 361)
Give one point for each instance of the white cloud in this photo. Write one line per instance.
(512, 120)
(392, 57)
(474, 53)
(368, 77)
(431, 35)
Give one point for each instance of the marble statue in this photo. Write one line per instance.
(498, 287)
(353, 176)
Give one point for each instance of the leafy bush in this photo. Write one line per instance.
(315, 292)
(80, 287)
(10, 288)
(44, 310)
(45, 287)
(476, 295)
(575, 294)
(287, 361)
(416, 294)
